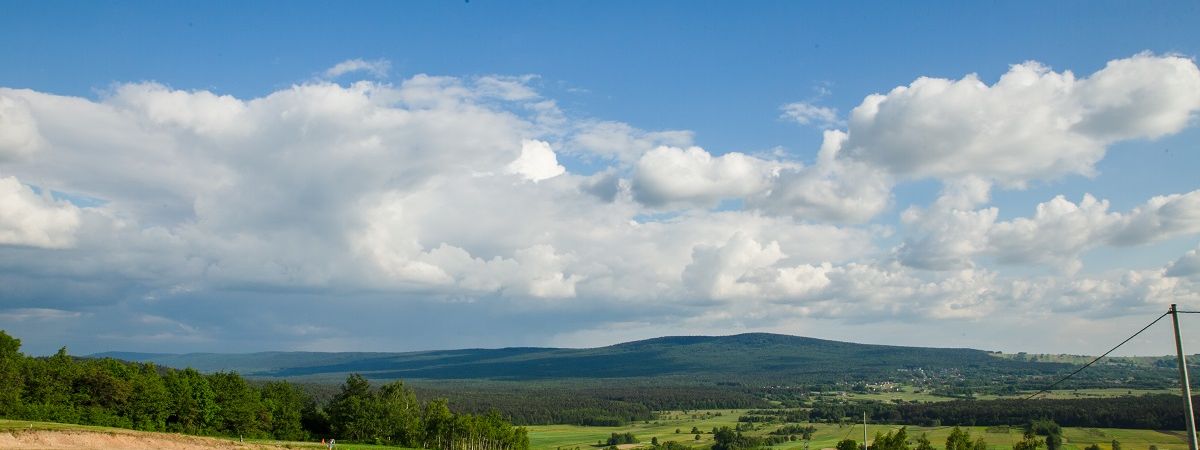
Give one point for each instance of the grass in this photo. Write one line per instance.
(552, 437)
(568, 437)
(907, 393)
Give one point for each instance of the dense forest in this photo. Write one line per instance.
(142, 396)
(1154, 412)
(628, 379)
(543, 404)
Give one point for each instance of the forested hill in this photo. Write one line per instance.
(744, 357)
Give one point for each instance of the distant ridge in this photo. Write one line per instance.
(750, 356)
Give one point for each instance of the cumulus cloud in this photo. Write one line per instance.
(537, 162)
(377, 68)
(672, 175)
(1032, 124)
(202, 112)
(831, 190)
(1187, 265)
(445, 197)
(1058, 232)
(805, 113)
(19, 136)
(27, 218)
(1160, 218)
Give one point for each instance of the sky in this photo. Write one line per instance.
(393, 176)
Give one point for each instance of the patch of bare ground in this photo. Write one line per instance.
(77, 439)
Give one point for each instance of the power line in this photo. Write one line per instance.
(1130, 338)
(851, 430)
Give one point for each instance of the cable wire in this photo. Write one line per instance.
(1048, 388)
(851, 430)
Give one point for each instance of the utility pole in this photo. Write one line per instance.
(1183, 380)
(865, 432)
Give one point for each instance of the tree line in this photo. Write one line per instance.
(544, 403)
(113, 393)
(1156, 412)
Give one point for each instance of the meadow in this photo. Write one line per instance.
(568, 437)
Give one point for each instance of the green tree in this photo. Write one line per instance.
(399, 414)
(961, 440)
(847, 444)
(193, 408)
(11, 379)
(1053, 442)
(239, 408)
(286, 404)
(149, 401)
(1029, 442)
(923, 443)
(437, 422)
(349, 410)
(1116, 445)
(897, 440)
(48, 385)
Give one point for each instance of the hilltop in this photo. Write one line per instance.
(736, 358)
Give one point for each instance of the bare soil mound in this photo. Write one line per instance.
(78, 439)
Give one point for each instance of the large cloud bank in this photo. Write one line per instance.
(139, 208)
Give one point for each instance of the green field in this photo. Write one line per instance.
(552, 437)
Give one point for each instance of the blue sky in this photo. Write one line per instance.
(181, 188)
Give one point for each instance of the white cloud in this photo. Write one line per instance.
(622, 142)
(537, 162)
(202, 112)
(805, 113)
(506, 88)
(1160, 218)
(404, 200)
(850, 193)
(27, 218)
(948, 241)
(377, 68)
(1032, 124)
(833, 190)
(1057, 233)
(667, 176)
(1187, 265)
(19, 136)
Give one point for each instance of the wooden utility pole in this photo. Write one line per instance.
(1183, 381)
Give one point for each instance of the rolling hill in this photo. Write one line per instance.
(754, 356)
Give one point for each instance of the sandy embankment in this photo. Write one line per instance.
(76, 439)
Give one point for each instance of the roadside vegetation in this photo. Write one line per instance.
(112, 393)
